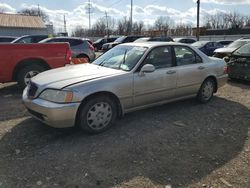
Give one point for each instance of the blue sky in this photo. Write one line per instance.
(181, 11)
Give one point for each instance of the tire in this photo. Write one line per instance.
(206, 91)
(83, 56)
(97, 114)
(28, 72)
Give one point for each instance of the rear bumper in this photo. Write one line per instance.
(222, 80)
(52, 114)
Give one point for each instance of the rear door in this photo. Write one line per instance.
(191, 71)
(159, 85)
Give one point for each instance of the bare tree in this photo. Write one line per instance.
(123, 26)
(163, 24)
(182, 30)
(138, 27)
(80, 32)
(35, 12)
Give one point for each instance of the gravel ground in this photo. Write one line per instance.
(181, 144)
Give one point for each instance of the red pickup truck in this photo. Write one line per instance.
(20, 62)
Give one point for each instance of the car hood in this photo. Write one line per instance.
(69, 75)
(225, 50)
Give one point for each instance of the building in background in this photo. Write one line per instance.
(19, 25)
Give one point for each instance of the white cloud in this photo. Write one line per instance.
(147, 14)
(226, 2)
(6, 8)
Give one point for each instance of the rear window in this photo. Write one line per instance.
(73, 42)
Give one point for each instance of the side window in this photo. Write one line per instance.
(186, 56)
(160, 57)
(210, 45)
(26, 40)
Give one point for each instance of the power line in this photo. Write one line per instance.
(117, 2)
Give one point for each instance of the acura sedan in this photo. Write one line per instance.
(129, 77)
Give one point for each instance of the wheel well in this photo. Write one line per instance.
(27, 62)
(82, 55)
(103, 93)
(215, 81)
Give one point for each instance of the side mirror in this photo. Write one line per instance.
(147, 69)
(226, 59)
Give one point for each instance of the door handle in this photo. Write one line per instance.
(171, 72)
(201, 67)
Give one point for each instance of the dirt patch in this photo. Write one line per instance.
(181, 144)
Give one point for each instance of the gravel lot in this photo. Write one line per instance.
(181, 144)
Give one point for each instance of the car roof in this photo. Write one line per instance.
(153, 44)
(76, 38)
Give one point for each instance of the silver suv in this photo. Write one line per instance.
(80, 48)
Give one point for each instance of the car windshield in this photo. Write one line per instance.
(144, 39)
(243, 50)
(121, 57)
(98, 40)
(120, 39)
(199, 44)
(237, 44)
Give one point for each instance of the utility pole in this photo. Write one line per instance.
(106, 15)
(89, 9)
(131, 18)
(65, 26)
(38, 8)
(198, 21)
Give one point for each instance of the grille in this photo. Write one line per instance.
(32, 90)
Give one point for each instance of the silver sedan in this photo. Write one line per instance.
(129, 77)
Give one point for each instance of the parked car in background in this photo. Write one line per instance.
(6, 39)
(185, 40)
(225, 43)
(120, 40)
(20, 62)
(126, 78)
(227, 51)
(151, 39)
(80, 48)
(98, 43)
(207, 47)
(30, 39)
(239, 63)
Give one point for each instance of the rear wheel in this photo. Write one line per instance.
(27, 72)
(83, 56)
(97, 114)
(206, 91)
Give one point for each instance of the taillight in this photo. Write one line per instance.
(91, 47)
(68, 55)
(226, 70)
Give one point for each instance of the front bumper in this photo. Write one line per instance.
(222, 80)
(52, 114)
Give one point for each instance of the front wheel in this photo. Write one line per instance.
(97, 114)
(206, 91)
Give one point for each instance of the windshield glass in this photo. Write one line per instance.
(120, 39)
(243, 50)
(144, 39)
(99, 40)
(237, 44)
(199, 44)
(121, 57)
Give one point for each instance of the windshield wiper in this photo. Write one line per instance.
(124, 59)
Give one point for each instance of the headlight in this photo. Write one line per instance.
(58, 96)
